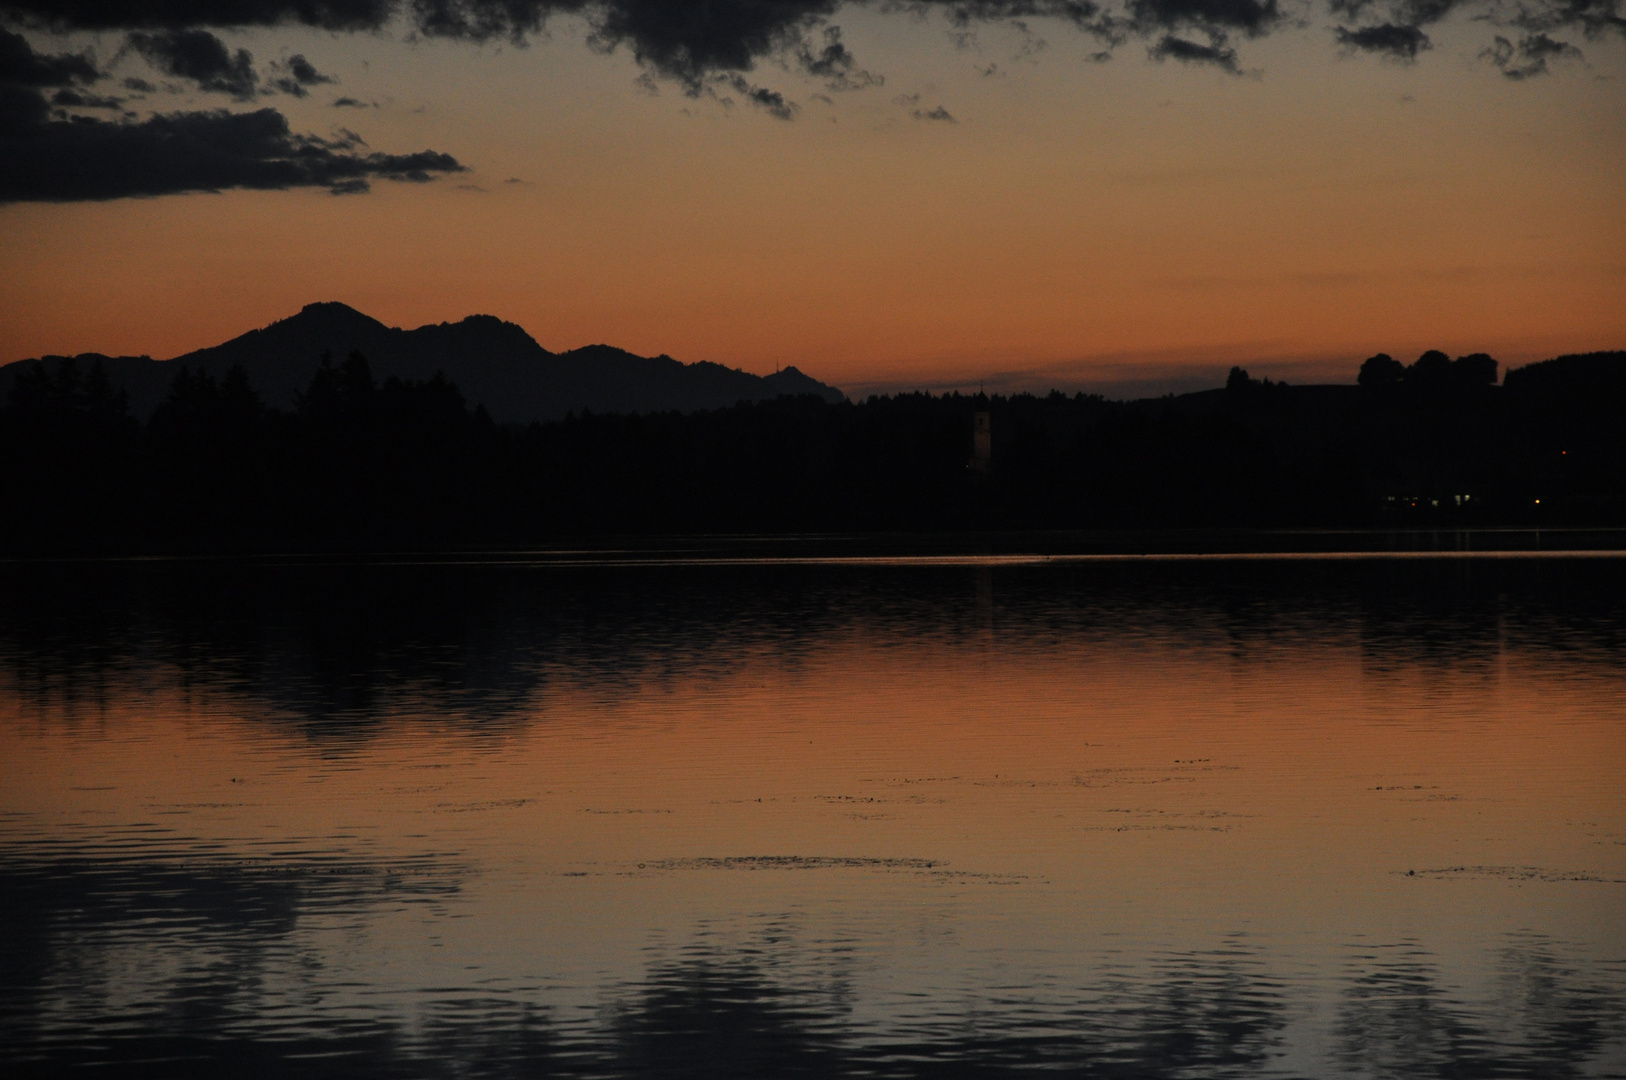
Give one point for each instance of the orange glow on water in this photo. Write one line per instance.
(1287, 787)
(917, 798)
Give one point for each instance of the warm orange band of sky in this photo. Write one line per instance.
(1060, 221)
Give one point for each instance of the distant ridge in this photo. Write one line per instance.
(494, 363)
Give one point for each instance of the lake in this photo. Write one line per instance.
(687, 814)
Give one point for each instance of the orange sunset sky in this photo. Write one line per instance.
(1033, 194)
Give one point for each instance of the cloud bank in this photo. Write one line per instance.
(703, 47)
(48, 156)
(692, 41)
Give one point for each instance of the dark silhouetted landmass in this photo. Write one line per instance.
(355, 462)
(494, 364)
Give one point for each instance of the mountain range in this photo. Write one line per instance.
(494, 363)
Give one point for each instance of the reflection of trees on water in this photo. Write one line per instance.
(709, 1015)
(179, 969)
(341, 652)
(1547, 1019)
(1213, 1013)
(162, 965)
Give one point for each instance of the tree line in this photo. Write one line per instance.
(359, 464)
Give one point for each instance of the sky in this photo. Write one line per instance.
(1123, 195)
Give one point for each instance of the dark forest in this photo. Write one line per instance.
(359, 464)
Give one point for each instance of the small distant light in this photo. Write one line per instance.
(1538, 502)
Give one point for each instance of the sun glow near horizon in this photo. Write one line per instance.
(1077, 222)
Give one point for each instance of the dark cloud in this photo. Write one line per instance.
(482, 20)
(296, 74)
(1423, 12)
(912, 103)
(73, 99)
(1594, 18)
(710, 47)
(46, 159)
(201, 57)
(1402, 35)
(301, 69)
(687, 42)
(835, 64)
(1401, 42)
(1252, 17)
(353, 103)
(20, 65)
(1216, 53)
(64, 161)
(1084, 15)
(772, 102)
(185, 14)
(139, 86)
(1529, 57)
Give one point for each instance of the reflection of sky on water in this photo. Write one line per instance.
(494, 821)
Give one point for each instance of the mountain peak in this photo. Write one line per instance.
(493, 362)
(331, 313)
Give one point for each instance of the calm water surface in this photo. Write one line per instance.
(1179, 818)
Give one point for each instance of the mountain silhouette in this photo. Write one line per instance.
(494, 363)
